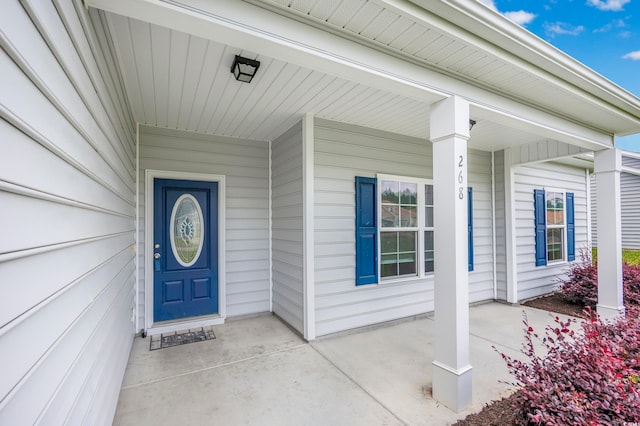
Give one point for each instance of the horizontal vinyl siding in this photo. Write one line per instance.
(629, 205)
(343, 152)
(536, 280)
(287, 228)
(246, 167)
(630, 209)
(68, 207)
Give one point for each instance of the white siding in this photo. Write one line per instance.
(629, 203)
(246, 167)
(536, 280)
(288, 269)
(343, 152)
(67, 197)
(501, 241)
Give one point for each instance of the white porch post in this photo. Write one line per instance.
(451, 369)
(608, 164)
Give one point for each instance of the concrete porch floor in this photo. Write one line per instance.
(258, 372)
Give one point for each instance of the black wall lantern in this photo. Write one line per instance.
(243, 69)
(471, 124)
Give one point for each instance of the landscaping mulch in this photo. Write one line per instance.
(500, 412)
(555, 303)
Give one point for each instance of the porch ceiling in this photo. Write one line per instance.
(180, 81)
(374, 63)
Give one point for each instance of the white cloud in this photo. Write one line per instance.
(616, 23)
(634, 56)
(562, 28)
(614, 5)
(520, 17)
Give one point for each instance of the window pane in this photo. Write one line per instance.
(407, 241)
(389, 242)
(389, 265)
(428, 195)
(555, 208)
(390, 216)
(408, 193)
(390, 191)
(428, 219)
(555, 244)
(398, 254)
(408, 216)
(428, 251)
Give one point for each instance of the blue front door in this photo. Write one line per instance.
(185, 249)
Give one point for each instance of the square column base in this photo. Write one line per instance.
(610, 312)
(452, 387)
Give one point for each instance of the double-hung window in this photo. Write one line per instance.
(395, 228)
(554, 226)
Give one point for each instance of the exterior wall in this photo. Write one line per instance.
(246, 167)
(67, 218)
(343, 152)
(287, 227)
(501, 242)
(629, 203)
(537, 280)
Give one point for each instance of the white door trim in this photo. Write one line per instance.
(164, 326)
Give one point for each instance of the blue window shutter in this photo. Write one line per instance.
(366, 231)
(540, 213)
(571, 228)
(470, 226)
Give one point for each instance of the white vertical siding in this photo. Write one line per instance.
(67, 217)
(501, 241)
(536, 280)
(343, 152)
(246, 167)
(287, 219)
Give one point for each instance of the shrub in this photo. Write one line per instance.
(581, 285)
(585, 378)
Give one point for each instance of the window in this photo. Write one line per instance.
(554, 226)
(398, 228)
(396, 241)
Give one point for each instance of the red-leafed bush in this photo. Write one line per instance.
(585, 378)
(581, 285)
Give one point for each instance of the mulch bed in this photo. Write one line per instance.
(500, 413)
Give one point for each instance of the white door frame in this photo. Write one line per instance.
(167, 326)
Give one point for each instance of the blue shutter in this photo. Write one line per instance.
(540, 213)
(470, 226)
(571, 228)
(366, 231)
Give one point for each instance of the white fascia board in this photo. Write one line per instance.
(243, 25)
(499, 35)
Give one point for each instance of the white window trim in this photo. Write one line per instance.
(564, 227)
(421, 182)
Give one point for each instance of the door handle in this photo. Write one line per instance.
(156, 256)
(156, 262)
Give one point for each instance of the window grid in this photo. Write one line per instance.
(555, 217)
(406, 227)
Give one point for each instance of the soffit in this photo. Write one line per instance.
(439, 44)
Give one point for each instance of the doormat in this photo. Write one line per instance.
(183, 337)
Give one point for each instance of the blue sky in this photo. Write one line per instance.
(602, 34)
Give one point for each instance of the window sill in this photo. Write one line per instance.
(401, 280)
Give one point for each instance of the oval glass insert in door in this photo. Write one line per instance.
(186, 230)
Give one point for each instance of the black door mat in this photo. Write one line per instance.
(177, 338)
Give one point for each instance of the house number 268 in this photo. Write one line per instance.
(460, 177)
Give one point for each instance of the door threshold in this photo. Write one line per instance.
(183, 324)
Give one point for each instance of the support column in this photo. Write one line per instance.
(608, 164)
(451, 369)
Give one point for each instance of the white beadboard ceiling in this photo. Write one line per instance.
(176, 79)
(180, 81)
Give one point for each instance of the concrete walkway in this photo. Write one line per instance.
(258, 372)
